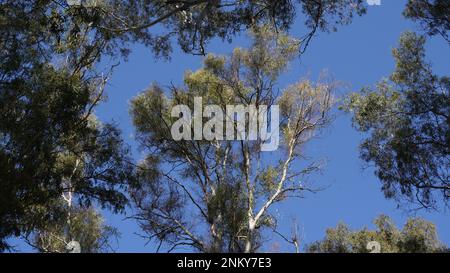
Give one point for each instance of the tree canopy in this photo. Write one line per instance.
(59, 164)
(189, 186)
(432, 15)
(417, 236)
(407, 122)
(85, 226)
(51, 82)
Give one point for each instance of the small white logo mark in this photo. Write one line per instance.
(73, 247)
(374, 2)
(374, 247)
(84, 3)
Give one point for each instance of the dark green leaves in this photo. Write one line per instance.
(407, 121)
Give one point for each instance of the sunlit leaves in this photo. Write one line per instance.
(417, 236)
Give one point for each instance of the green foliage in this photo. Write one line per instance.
(109, 26)
(48, 90)
(83, 225)
(433, 16)
(407, 124)
(50, 85)
(268, 179)
(223, 180)
(417, 236)
(44, 115)
(228, 205)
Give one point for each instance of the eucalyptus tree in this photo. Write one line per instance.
(406, 123)
(51, 81)
(406, 117)
(216, 194)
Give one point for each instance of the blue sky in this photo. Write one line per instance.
(359, 55)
